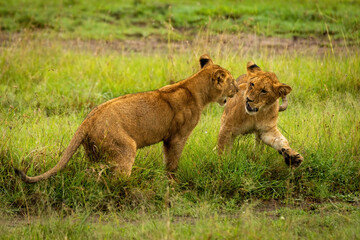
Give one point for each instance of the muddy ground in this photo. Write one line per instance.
(237, 43)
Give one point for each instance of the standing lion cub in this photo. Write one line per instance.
(255, 109)
(122, 125)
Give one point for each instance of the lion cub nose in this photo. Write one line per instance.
(247, 99)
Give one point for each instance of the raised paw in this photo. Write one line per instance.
(292, 158)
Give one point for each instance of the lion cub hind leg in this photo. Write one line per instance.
(276, 140)
(121, 153)
(125, 158)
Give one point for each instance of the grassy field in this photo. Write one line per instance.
(48, 84)
(331, 222)
(48, 90)
(123, 19)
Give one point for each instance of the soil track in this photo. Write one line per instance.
(239, 43)
(270, 209)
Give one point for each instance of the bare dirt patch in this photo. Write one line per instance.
(237, 43)
(271, 209)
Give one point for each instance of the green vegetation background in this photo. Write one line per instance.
(48, 86)
(93, 19)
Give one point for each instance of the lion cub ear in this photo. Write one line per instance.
(252, 68)
(282, 89)
(205, 60)
(218, 78)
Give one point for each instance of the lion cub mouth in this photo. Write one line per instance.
(249, 109)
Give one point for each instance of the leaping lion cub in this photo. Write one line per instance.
(255, 109)
(122, 125)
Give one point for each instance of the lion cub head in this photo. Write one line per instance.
(223, 83)
(262, 90)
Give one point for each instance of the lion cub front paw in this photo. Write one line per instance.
(292, 158)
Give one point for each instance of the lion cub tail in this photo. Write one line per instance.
(70, 150)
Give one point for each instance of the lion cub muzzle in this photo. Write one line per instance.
(231, 91)
(250, 110)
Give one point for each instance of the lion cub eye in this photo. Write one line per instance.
(251, 84)
(263, 91)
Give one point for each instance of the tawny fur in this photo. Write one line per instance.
(117, 128)
(255, 109)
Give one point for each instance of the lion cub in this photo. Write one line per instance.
(255, 109)
(122, 125)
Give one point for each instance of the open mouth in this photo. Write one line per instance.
(250, 109)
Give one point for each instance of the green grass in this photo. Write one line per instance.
(330, 222)
(123, 19)
(47, 90)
